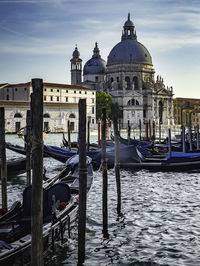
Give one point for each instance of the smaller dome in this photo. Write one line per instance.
(96, 65)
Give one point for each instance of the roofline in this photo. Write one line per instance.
(47, 84)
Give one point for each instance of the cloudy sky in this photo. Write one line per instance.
(37, 37)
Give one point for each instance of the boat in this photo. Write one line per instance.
(19, 149)
(175, 161)
(60, 209)
(127, 153)
(15, 165)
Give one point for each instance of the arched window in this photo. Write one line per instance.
(18, 115)
(135, 82)
(46, 115)
(7, 97)
(133, 102)
(128, 84)
(111, 80)
(72, 116)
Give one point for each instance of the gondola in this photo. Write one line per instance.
(175, 161)
(127, 153)
(60, 209)
(15, 165)
(19, 149)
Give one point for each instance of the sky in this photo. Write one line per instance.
(38, 37)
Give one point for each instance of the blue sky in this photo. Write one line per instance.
(37, 37)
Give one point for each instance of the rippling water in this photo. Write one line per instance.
(159, 225)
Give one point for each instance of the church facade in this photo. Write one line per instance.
(128, 76)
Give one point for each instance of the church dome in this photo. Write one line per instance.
(96, 65)
(129, 50)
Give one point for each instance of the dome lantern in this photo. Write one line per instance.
(129, 30)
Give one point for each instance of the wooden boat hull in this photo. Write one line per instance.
(15, 245)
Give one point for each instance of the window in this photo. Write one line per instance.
(18, 115)
(66, 91)
(66, 99)
(7, 97)
(74, 91)
(133, 102)
(57, 99)
(51, 98)
(93, 93)
(92, 120)
(46, 115)
(7, 90)
(117, 79)
(51, 90)
(80, 92)
(128, 84)
(25, 89)
(45, 98)
(111, 80)
(92, 100)
(15, 89)
(72, 116)
(45, 89)
(92, 110)
(57, 90)
(96, 79)
(85, 92)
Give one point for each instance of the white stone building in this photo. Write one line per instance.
(60, 105)
(128, 76)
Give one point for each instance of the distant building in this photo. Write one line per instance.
(128, 76)
(186, 111)
(60, 105)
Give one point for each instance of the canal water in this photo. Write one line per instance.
(159, 225)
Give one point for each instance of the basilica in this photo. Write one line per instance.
(129, 77)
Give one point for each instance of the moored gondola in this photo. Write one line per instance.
(60, 208)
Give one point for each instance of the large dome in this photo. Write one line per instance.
(129, 51)
(96, 65)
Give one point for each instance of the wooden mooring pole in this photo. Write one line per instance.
(183, 139)
(82, 181)
(104, 174)
(129, 132)
(37, 155)
(117, 165)
(88, 133)
(28, 147)
(140, 130)
(159, 131)
(197, 136)
(3, 160)
(169, 143)
(69, 134)
(190, 137)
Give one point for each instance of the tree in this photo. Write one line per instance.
(103, 99)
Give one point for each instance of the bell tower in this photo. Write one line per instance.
(76, 68)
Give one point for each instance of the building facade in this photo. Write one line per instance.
(186, 111)
(128, 76)
(60, 105)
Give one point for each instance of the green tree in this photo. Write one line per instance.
(103, 100)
